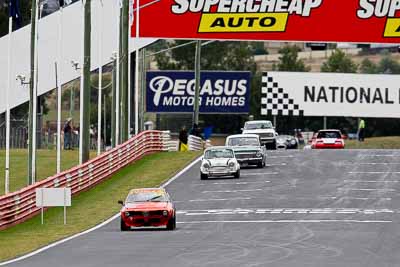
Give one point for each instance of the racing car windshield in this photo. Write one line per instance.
(215, 154)
(259, 125)
(146, 197)
(244, 141)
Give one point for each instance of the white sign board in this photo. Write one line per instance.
(330, 94)
(53, 197)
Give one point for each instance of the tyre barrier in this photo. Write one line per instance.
(19, 206)
(195, 143)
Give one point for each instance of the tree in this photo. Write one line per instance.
(368, 67)
(388, 66)
(288, 61)
(339, 62)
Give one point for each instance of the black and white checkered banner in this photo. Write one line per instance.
(330, 94)
(275, 101)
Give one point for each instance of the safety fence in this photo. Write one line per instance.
(21, 205)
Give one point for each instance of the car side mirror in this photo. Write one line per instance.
(120, 202)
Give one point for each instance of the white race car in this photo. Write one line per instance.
(218, 162)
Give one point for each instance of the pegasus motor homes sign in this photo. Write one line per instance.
(220, 92)
(359, 21)
(330, 94)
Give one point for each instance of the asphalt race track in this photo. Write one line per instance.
(306, 208)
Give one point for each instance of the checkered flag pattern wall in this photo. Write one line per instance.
(274, 100)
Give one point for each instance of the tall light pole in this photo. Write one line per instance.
(137, 67)
(8, 90)
(59, 85)
(123, 54)
(84, 138)
(32, 96)
(100, 92)
(197, 83)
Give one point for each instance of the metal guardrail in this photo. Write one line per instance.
(19, 206)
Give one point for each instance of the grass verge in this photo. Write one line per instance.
(46, 165)
(92, 207)
(391, 142)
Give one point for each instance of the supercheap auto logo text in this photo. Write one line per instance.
(223, 16)
(382, 9)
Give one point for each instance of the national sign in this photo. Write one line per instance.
(330, 94)
(220, 92)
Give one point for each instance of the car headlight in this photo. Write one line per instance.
(231, 164)
(259, 154)
(293, 142)
(206, 166)
(165, 213)
(127, 213)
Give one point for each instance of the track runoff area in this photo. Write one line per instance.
(306, 208)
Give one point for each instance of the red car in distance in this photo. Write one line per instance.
(147, 207)
(327, 139)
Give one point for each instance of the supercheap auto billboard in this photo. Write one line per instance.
(360, 21)
(220, 92)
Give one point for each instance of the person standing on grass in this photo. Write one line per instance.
(183, 139)
(361, 130)
(68, 134)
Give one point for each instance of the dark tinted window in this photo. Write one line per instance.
(331, 134)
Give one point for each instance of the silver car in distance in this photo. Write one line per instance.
(219, 162)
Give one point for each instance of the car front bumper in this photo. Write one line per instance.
(250, 161)
(219, 172)
(142, 221)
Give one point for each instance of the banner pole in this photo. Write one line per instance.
(58, 81)
(197, 83)
(100, 91)
(8, 90)
(137, 68)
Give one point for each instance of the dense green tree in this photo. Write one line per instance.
(289, 61)
(387, 65)
(339, 62)
(368, 67)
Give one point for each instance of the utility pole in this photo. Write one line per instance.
(34, 13)
(143, 89)
(114, 103)
(85, 86)
(123, 55)
(197, 83)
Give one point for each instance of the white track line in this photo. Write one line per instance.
(232, 191)
(259, 174)
(287, 221)
(370, 163)
(368, 181)
(367, 189)
(233, 183)
(374, 172)
(218, 199)
(284, 211)
(94, 228)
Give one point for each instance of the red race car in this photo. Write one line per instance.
(147, 207)
(328, 139)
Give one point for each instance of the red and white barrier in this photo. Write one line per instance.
(19, 206)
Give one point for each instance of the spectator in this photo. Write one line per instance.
(195, 131)
(183, 139)
(68, 134)
(93, 137)
(361, 130)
